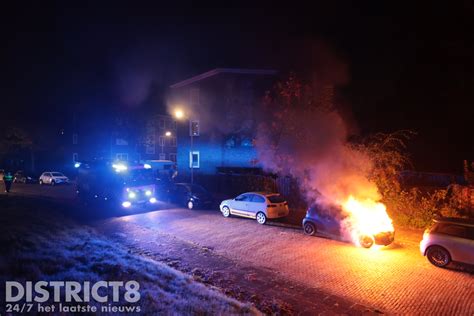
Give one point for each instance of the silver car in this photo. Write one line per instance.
(53, 178)
(449, 239)
(258, 205)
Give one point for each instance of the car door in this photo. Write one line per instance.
(240, 205)
(455, 240)
(256, 204)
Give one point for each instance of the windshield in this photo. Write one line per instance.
(139, 177)
(57, 174)
(276, 198)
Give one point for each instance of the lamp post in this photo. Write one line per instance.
(179, 114)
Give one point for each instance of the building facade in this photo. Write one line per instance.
(219, 120)
(159, 139)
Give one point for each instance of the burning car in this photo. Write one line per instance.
(345, 220)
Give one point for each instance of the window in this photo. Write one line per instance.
(162, 123)
(452, 230)
(150, 149)
(244, 198)
(193, 128)
(74, 138)
(257, 198)
(173, 157)
(122, 156)
(173, 141)
(161, 141)
(194, 159)
(276, 199)
(75, 157)
(162, 156)
(150, 144)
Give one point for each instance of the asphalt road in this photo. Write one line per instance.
(395, 279)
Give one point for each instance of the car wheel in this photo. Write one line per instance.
(226, 211)
(438, 256)
(366, 241)
(190, 204)
(41, 182)
(309, 229)
(53, 183)
(261, 218)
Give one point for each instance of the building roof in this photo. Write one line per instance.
(223, 70)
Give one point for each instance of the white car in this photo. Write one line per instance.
(53, 178)
(449, 239)
(258, 205)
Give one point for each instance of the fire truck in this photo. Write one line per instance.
(117, 183)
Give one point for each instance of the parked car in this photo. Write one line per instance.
(327, 222)
(21, 177)
(53, 178)
(190, 195)
(258, 205)
(449, 239)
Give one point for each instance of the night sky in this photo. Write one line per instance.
(410, 67)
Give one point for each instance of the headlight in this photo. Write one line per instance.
(132, 195)
(148, 193)
(126, 204)
(153, 200)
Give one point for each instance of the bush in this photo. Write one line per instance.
(407, 207)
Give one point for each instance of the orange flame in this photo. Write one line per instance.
(366, 217)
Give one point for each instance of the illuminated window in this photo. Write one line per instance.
(194, 159)
(193, 128)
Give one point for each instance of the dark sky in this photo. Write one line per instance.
(411, 66)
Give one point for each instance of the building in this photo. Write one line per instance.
(159, 138)
(219, 109)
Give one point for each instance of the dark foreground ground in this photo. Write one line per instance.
(279, 270)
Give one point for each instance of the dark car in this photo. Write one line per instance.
(328, 222)
(190, 195)
(21, 177)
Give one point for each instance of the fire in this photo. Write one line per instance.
(366, 217)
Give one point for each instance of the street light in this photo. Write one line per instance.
(179, 114)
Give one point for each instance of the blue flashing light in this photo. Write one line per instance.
(132, 195)
(147, 166)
